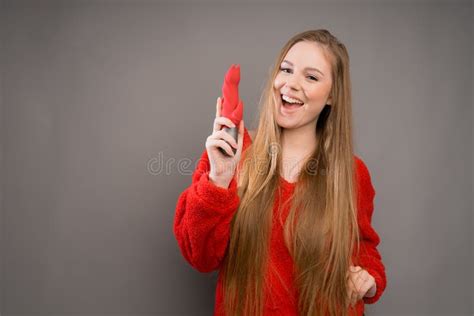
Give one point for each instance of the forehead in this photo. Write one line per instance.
(309, 54)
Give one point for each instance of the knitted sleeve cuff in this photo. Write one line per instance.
(216, 197)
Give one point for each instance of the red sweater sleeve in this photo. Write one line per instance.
(370, 258)
(203, 215)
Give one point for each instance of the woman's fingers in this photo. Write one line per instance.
(362, 278)
(354, 298)
(212, 142)
(222, 121)
(350, 292)
(226, 136)
(353, 288)
(221, 138)
(354, 277)
(358, 283)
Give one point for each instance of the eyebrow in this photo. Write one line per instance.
(307, 68)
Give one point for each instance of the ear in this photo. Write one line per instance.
(329, 100)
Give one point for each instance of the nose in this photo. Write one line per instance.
(292, 83)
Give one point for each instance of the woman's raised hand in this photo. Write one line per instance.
(222, 166)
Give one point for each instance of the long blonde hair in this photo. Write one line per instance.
(321, 227)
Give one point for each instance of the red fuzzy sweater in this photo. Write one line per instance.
(202, 229)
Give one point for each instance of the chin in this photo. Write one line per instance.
(285, 124)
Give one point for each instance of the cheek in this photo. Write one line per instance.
(278, 82)
(315, 96)
(319, 94)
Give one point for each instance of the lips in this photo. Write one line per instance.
(288, 108)
(291, 97)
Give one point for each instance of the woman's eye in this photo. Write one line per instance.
(313, 78)
(284, 69)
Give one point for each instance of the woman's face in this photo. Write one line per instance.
(304, 77)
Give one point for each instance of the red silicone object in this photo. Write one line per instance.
(232, 106)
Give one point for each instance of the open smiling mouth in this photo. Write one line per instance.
(289, 103)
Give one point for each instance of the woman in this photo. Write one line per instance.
(287, 219)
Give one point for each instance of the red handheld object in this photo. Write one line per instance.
(232, 106)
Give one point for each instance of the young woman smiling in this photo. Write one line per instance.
(287, 219)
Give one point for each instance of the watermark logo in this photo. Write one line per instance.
(160, 165)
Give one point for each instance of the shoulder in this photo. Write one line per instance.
(365, 189)
(361, 166)
(364, 180)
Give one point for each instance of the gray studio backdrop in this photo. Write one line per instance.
(106, 107)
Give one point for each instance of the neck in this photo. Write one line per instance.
(297, 146)
(298, 142)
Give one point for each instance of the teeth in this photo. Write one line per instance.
(291, 100)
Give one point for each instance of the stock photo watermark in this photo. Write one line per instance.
(185, 166)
